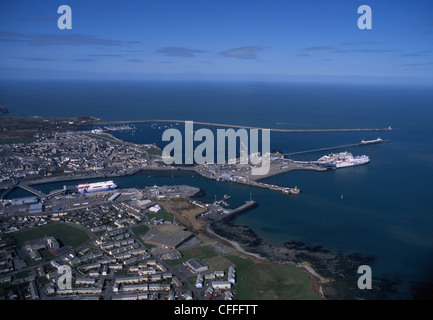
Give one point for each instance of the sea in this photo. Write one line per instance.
(383, 210)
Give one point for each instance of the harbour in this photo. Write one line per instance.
(372, 219)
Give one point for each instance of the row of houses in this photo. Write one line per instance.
(218, 284)
(82, 290)
(143, 287)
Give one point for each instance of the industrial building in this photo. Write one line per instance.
(168, 235)
(196, 265)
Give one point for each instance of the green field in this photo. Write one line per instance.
(200, 253)
(23, 129)
(161, 214)
(67, 234)
(140, 230)
(265, 281)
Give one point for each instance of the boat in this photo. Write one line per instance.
(378, 140)
(342, 160)
(352, 161)
(333, 157)
(96, 187)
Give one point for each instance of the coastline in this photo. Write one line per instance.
(315, 281)
(333, 274)
(322, 265)
(230, 240)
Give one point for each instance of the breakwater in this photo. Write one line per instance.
(243, 126)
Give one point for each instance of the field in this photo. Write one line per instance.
(140, 230)
(185, 213)
(67, 234)
(266, 281)
(201, 253)
(24, 129)
(255, 280)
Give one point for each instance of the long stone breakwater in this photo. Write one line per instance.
(242, 126)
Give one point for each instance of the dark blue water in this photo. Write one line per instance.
(387, 208)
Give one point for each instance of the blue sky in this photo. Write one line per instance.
(298, 39)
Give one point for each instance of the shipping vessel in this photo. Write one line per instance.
(342, 160)
(96, 187)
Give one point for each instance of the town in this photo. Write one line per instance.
(119, 244)
(71, 155)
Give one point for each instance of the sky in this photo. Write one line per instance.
(257, 39)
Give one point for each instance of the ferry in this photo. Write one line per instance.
(96, 187)
(342, 160)
(351, 161)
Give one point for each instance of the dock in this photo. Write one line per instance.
(285, 190)
(248, 205)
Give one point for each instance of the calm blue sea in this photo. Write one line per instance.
(387, 210)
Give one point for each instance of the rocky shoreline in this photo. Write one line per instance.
(3, 110)
(334, 274)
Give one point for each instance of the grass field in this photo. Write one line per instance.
(67, 234)
(23, 129)
(265, 281)
(161, 214)
(200, 253)
(256, 280)
(185, 213)
(140, 230)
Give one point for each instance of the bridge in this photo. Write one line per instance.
(25, 187)
(31, 190)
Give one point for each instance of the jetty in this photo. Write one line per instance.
(241, 126)
(330, 148)
(248, 205)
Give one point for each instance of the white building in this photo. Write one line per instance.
(199, 281)
(222, 285)
(232, 275)
(155, 208)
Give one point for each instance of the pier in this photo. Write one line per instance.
(248, 205)
(285, 190)
(329, 148)
(243, 127)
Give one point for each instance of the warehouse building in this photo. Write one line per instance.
(196, 265)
